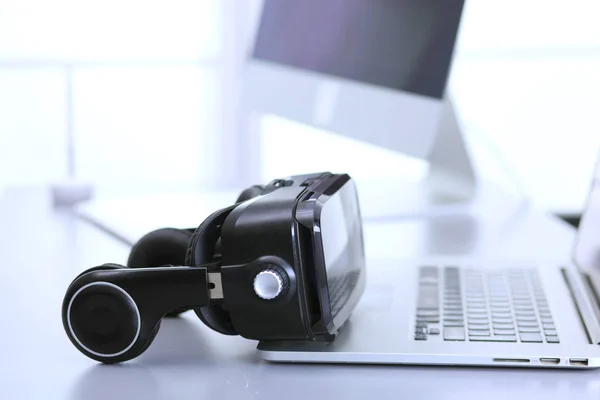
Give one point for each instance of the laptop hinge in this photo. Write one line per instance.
(585, 302)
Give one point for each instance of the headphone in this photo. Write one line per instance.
(173, 246)
(251, 251)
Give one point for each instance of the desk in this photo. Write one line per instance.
(42, 250)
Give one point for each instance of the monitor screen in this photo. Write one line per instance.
(398, 44)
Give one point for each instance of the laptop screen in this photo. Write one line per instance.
(587, 247)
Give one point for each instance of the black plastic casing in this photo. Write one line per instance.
(308, 214)
(280, 230)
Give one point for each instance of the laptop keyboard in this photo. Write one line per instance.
(461, 304)
(340, 289)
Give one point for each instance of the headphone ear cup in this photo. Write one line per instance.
(200, 252)
(250, 193)
(166, 246)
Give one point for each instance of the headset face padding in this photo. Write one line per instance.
(201, 252)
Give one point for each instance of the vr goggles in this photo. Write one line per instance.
(286, 262)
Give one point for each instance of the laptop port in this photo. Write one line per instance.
(511, 360)
(548, 360)
(579, 362)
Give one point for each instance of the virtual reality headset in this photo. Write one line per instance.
(285, 262)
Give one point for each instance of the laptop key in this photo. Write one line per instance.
(454, 333)
(493, 338)
(478, 333)
(434, 331)
(527, 324)
(504, 332)
(505, 314)
(475, 297)
(550, 332)
(477, 317)
(524, 314)
(530, 337)
(478, 327)
(529, 329)
(420, 336)
(552, 339)
(524, 308)
(522, 304)
(476, 306)
(477, 312)
(503, 326)
(526, 319)
(455, 295)
(476, 322)
(428, 313)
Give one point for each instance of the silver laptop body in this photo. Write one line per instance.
(473, 312)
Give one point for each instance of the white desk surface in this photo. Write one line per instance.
(42, 250)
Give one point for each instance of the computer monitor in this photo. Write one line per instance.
(372, 70)
(375, 70)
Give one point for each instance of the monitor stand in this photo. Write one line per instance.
(450, 184)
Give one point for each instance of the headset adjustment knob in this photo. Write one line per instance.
(268, 284)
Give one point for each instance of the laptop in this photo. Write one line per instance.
(474, 312)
